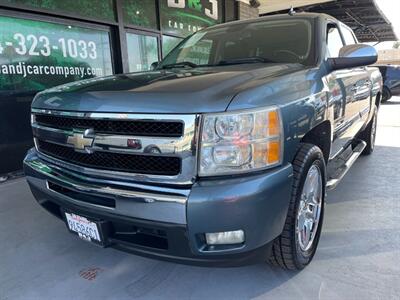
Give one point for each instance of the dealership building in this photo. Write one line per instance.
(48, 43)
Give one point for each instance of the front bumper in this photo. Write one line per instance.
(147, 221)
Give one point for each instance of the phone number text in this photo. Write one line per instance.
(34, 45)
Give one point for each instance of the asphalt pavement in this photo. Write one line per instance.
(358, 255)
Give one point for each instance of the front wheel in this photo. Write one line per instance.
(296, 246)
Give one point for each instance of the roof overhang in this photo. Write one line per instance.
(363, 16)
(269, 6)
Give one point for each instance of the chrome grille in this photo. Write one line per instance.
(137, 127)
(125, 162)
(151, 148)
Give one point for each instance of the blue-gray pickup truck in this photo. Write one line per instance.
(221, 154)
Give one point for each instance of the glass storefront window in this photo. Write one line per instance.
(169, 43)
(142, 51)
(102, 10)
(140, 13)
(35, 55)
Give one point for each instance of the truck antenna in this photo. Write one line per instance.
(292, 12)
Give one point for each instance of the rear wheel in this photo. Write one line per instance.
(369, 134)
(386, 94)
(296, 246)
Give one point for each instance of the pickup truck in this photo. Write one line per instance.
(222, 154)
(391, 81)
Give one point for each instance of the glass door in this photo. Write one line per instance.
(143, 50)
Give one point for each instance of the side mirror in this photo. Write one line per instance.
(352, 56)
(154, 65)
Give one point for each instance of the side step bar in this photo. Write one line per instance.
(345, 167)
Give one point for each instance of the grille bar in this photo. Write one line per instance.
(161, 128)
(143, 164)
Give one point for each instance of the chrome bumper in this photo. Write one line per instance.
(256, 204)
(161, 204)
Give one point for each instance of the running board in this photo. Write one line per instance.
(345, 166)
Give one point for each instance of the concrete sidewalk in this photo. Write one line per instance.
(358, 255)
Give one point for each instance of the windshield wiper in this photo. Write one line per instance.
(180, 65)
(244, 60)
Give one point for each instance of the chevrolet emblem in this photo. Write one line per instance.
(80, 140)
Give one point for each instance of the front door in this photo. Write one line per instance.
(351, 93)
(361, 90)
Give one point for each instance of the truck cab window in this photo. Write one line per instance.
(198, 53)
(279, 41)
(334, 41)
(348, 36)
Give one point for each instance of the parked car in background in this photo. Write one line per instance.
(391, 81)
(246, 125)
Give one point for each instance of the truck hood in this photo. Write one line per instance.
(197, 90)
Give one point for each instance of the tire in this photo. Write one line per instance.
(386, 94)
(287, 251)
(369, 134)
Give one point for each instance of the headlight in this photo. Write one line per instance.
(238, 142)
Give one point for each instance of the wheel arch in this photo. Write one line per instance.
(320, 135)
(378, 99)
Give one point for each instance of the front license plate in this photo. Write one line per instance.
(86, 230)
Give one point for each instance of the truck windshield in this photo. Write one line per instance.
(280, 41)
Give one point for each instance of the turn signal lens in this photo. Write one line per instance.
(274, 151)
(273, 123)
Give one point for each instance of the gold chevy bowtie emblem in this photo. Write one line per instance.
(80, 141)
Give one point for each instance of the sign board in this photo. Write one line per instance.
(94, 9)
(35, 55)
(184, 17)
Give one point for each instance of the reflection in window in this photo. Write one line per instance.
(198, 54)
(335, 42)
(348, 36)
(286, 41)
(169, 43)
(142, 52)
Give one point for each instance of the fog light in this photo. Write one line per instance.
(225, 238)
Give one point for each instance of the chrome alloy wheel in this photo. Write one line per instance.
(309, 210)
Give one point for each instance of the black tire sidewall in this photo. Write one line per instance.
(315, 157)
(386, 95)
(367, 134)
